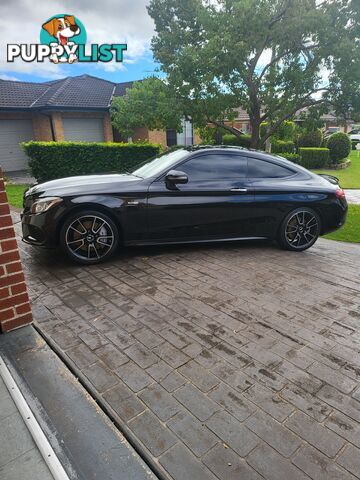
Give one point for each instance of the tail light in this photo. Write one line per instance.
(340, 194)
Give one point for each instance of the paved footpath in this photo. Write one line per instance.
(18, 453)
(353, 196)
(224, 362)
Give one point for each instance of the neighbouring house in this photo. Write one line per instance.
(73, 109)
(242, 121)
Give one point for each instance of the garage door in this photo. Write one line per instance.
(83, 129)
(12, 132)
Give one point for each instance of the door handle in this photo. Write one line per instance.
(235, 189)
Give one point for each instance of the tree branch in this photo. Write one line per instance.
(292, 112)
(230, 129)
(280, 56)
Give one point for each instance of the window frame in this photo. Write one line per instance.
(292, 174)
(206, 154)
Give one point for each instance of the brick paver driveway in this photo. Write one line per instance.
(226, 362)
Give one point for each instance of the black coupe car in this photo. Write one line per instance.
(197, 194)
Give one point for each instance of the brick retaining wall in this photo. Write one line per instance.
(15, 309)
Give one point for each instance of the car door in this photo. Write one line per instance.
(215, 203)
(275, 188)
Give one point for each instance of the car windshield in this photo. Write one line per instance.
(154, 167)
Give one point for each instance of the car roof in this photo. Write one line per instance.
(259, 154)
(242, 150)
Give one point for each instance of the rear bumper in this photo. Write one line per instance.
(335, 218)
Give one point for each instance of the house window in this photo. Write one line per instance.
(171, 137)
(185, 137)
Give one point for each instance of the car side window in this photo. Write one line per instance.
(262, 169)
(215, 167)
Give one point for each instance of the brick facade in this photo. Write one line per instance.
(42, 127)
(152, 136)
(108, 131)
(15, 310)
(57, 126)
(157, 136)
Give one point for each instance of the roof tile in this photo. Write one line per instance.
(80, 92)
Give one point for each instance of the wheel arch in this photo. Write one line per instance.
(296, 207)
(89, 206)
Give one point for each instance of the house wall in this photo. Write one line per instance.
(157, 136)
(141, 135)
(151, 136)
(42, 126)
(41, 123)
(108, 131)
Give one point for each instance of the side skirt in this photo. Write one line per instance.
(182, 242)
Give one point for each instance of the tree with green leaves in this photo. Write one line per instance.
(148, 103)
(269, 57)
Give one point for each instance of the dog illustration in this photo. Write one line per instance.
(62, 28)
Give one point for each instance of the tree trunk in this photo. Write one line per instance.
(255, 135)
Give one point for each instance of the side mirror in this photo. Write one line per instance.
(175, 176)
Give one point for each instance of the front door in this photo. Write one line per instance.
(216, 202)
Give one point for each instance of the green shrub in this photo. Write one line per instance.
(207, 135)
(282, 146)
(314, 157)
(242, 141)
(339, 145)
(286, 131)
(293, 157)
(51, 160)
(310, 138)
(263, 127)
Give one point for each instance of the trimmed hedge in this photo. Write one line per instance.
(339, 145)
(292, 157)
(51, 160)
(282, 146)
(310, 139)
(242, 141)
(314, 157)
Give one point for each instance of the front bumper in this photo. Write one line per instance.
(41, 229)
(34, 229)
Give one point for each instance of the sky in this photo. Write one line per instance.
(106, 21)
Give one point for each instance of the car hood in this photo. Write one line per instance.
(84, 184)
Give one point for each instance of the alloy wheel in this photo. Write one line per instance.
(89, 237)
(302, 229)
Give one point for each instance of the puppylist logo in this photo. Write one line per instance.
(62, 40)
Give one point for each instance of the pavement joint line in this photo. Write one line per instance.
(47, 452)
(119, 424)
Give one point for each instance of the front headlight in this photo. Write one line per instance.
(43, 204)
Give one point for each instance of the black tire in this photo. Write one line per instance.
(89, 237)
(299, 230)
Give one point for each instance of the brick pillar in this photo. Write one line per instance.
(108, 132)
(58, 126)
(42, 127)
(15, 310)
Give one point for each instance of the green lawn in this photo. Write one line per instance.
(349, 177)
(350, 232)
(15, 194)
